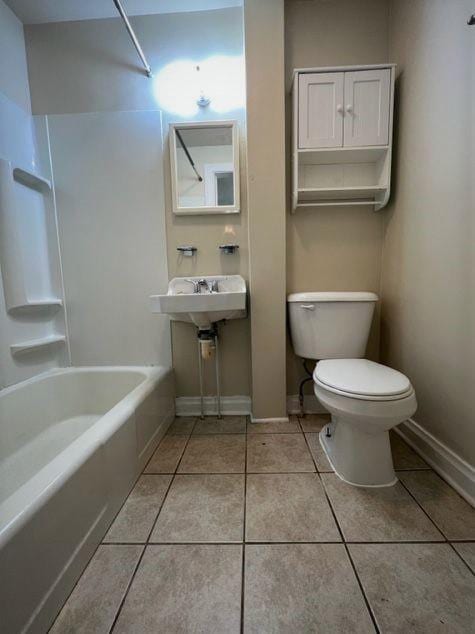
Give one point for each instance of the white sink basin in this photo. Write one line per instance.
(219, 297)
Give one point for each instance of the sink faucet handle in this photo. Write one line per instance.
(214, 286)
(196, 285)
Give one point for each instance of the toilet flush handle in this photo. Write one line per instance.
(307, 306)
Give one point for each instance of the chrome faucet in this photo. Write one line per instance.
(198, 285)
(203, 284)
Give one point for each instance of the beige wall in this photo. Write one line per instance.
(428, 317)
(264, 31)
(333, 248)
(92, 66)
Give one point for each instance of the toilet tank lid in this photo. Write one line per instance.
(336, 296)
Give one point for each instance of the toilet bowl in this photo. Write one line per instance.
(365, 399)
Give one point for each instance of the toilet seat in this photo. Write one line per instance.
(362, 379)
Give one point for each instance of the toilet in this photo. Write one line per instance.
(365, 399)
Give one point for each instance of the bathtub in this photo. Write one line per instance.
(72, 443)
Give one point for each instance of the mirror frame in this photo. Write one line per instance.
(197, 211)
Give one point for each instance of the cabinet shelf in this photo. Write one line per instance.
(31, 180)
(332, 156)
(319, 194)
(34, 344)
(52, 303)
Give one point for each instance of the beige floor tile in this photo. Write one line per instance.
(182, 426)
(318, 454)
(185, 588)
(380, 514)
(167, 455)
(224, 453)
(288, 507)
(452, 514)
(467, 552)
(135, 519)
(202, 508)
(404, 456)
(279, 453)
(416, 588)
(290, 427)
(225, 425)
(94, 602)
(300, 588)
(314, 422)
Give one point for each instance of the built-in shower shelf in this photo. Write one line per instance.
(51, 304)
(34, 344)
(31, 180)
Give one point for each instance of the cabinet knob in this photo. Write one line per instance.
(339, 108)
(349, 107)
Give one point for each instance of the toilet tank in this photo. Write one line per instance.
(330, 325)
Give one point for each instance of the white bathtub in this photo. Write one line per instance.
(72, 443)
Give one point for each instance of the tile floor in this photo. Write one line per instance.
(235, 527)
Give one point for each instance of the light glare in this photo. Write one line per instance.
(221, 78)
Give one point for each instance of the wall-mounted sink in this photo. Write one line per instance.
(203, 300)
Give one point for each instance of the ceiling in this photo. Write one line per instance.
(39, 11)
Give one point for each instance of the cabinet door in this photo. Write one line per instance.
(367, 105)
(321, 110)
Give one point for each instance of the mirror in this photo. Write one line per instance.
(205, 167)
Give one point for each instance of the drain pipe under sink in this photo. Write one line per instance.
(207, 344)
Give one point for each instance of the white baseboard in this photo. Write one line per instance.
(282, 419)
(311, 404)
(230, 405)
(456, 471)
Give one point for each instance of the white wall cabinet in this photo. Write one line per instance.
(367, 108)
(342, 136)
(321, 110)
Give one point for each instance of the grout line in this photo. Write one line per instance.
(423, 510)
(77, 581)
(149, 534)
(360, 584)
(194, 473)
(243, 580)
(159, 509)
(335, 519)
(243, 569)
(244, 542)
(358, 580)
(103, 543)
(270, 543)
(273, 433)
(145, 472)
(168, 488)
(142, 473)
(460, 557)
(132, 577)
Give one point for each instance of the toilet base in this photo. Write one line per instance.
(358, 458)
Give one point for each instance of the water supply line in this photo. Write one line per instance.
(133, 37)
(308, 378)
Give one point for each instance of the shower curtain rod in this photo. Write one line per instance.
(133, 37)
